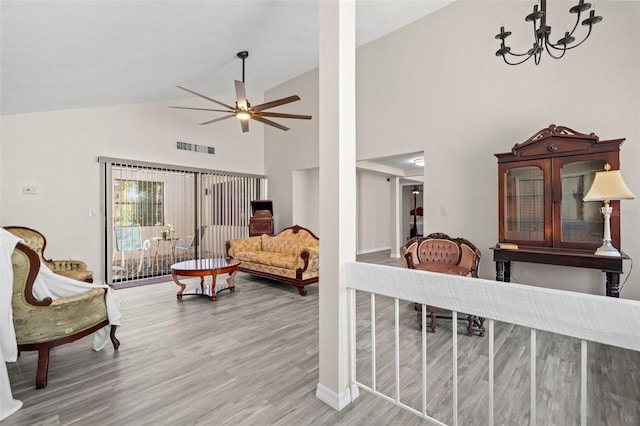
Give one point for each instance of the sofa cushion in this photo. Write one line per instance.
(279, 260)
(281, 243)
(245, 244)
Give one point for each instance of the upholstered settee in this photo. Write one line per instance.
(71, 268)
(441, 253)
(290, 256)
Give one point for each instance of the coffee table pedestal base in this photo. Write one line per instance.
(202, 272)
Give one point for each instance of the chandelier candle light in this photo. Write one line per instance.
(542, 33)
(608, 186)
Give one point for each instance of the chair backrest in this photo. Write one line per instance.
(198, 236)
(32, 238)
(439, 248)
(128, 238)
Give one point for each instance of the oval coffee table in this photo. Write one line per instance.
(202, 268)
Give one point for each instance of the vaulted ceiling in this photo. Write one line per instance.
(76, 54)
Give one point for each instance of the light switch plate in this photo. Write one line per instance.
(30, 189)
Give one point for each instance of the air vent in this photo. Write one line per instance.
(195, 148)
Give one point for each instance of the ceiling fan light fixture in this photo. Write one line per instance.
(243, 115)
(243, 110)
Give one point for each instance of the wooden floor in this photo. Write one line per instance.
(251, 358)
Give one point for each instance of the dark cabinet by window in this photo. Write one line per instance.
(261, 221)
(541, 185)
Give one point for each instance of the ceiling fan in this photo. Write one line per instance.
(243, 109)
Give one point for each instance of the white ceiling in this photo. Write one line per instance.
(75, 54)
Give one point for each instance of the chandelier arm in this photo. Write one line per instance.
(519, 54)
(576, 24)
(537, 57)
(517, 63)
(546, 46)
(555, 46)
(583, 40)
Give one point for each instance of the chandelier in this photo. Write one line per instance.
(542, 33)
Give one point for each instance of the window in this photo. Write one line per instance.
(138, 202)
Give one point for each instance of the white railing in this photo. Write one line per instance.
(586, 317)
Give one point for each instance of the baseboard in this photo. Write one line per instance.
(373, 250)
(332, 399)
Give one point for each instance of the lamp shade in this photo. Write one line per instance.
(608, 185)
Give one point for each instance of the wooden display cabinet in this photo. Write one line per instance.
(541, 184)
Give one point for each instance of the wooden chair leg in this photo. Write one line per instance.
(43, 368)
(432, 322)
(476, 325)
(114, 340)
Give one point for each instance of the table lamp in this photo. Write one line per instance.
(608, 185)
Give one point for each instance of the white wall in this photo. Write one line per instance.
(295, 149)
(374, 212)
(57, 152)
(436, 86)
(305, 198)
(472, 105)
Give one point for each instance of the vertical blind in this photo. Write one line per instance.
(157, 215)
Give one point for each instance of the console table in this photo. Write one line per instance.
(611, 266)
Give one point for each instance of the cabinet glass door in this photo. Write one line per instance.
(581, 222)
(524, 209)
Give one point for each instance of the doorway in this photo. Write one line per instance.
(403, 173)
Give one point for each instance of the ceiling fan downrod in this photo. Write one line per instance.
(243, 55)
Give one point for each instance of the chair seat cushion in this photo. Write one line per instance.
(279, 260)
(443, 268)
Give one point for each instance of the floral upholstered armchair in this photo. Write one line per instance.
(75, 269)
(43, 324)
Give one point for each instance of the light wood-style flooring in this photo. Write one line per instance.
(251, 358)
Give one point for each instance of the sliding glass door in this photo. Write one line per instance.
(157, 215)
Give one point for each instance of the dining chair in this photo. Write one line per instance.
(190, 243)
(129, 239)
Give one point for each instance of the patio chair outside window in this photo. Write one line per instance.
(191, 242)
(129, 239)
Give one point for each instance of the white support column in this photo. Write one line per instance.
(337, 196)
(396, 208)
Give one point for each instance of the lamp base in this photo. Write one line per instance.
(606, 249)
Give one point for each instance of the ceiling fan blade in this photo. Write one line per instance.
(245, 125)
(218, 119)
(284, 115)
(205, 97)
(276, 103)
(241, 96)
(269, 122)
(201, 109)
